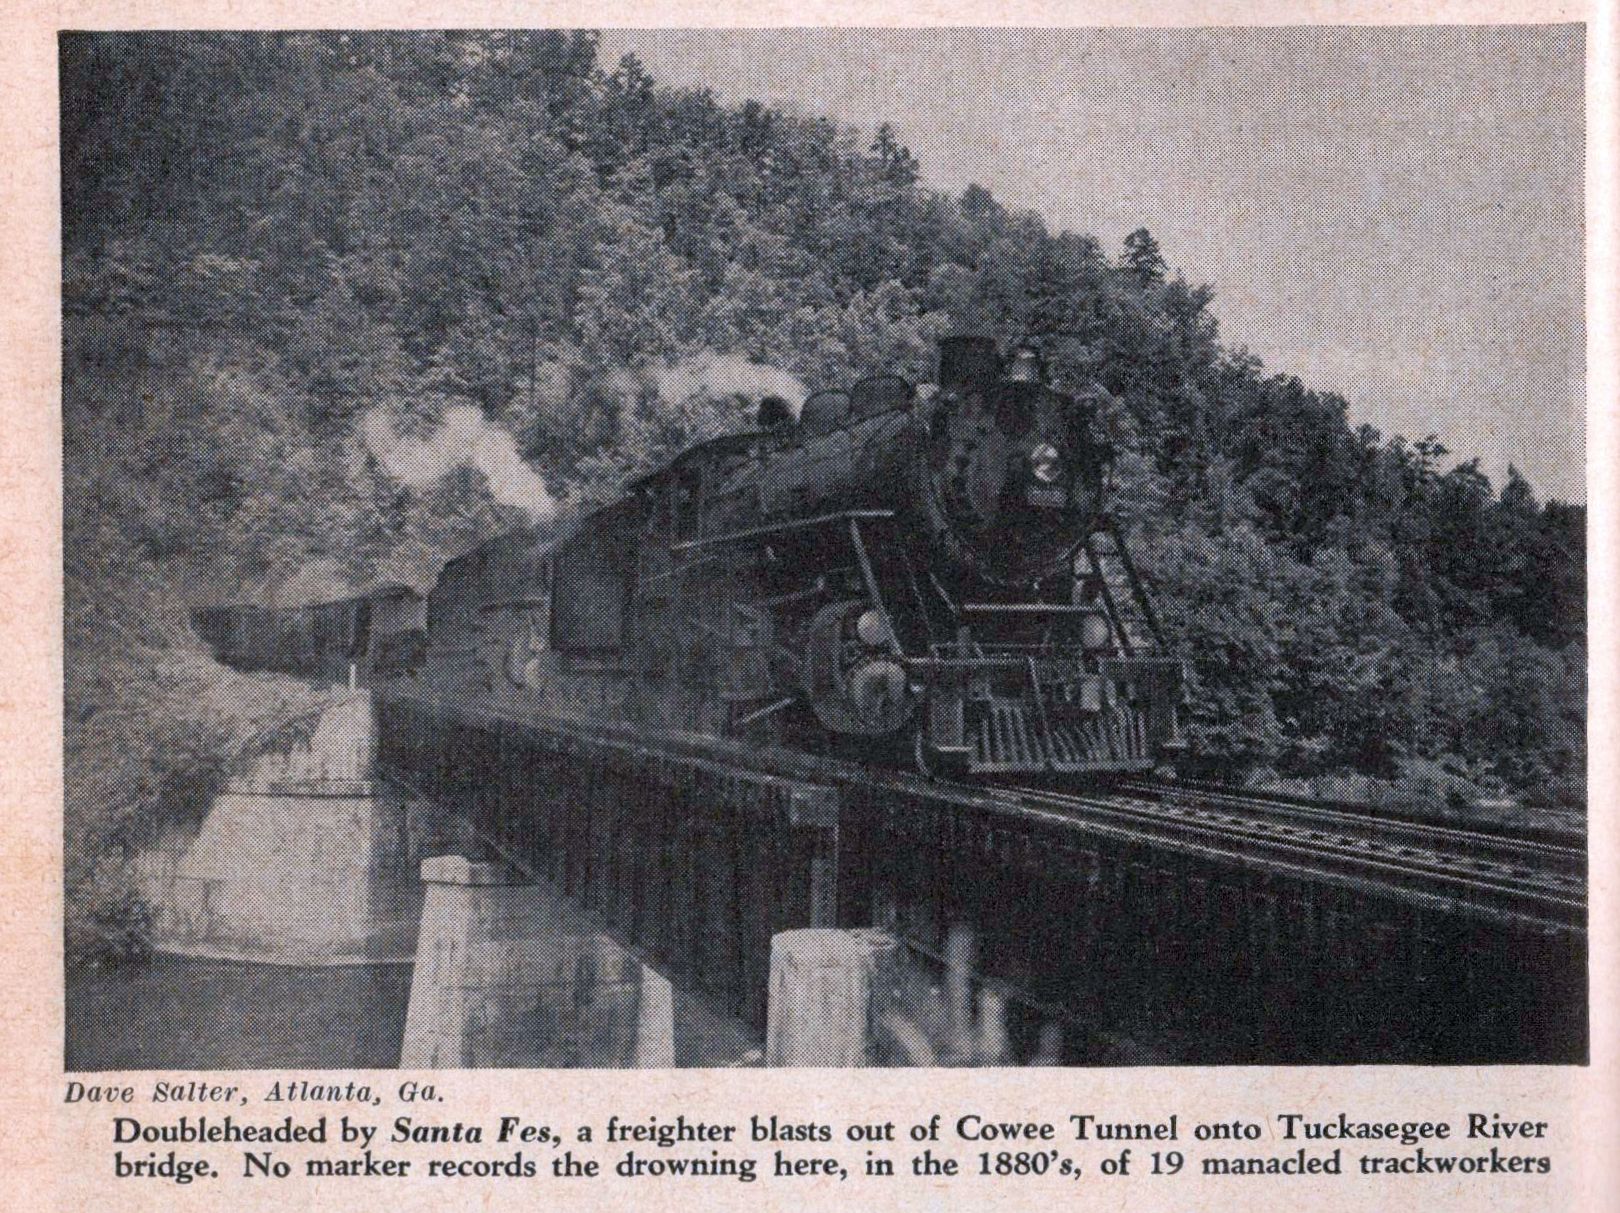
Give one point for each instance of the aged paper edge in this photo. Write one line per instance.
(38, 1150)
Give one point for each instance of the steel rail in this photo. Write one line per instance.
(1495, 844)
(1441, 867)
(1555, 831)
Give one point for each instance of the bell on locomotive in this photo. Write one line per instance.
(1055, 662)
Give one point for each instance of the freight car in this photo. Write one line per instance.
(894, 574)
(358, 640)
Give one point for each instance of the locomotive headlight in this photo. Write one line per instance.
(872, 629)
(1045, 464)
(1094, 631)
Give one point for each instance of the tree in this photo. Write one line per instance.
(1142, 257)
(896, 164)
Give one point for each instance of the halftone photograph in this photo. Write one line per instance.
(839, 547)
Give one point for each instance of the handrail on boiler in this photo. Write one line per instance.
(795, 524)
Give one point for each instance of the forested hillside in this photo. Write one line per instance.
(289, 259)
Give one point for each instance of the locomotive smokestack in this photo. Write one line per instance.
(968, 364)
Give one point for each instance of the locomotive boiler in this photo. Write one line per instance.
(895, 574)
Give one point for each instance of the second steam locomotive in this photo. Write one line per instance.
(893, 575)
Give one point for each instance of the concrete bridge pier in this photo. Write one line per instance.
(508, 974)
(826, 996)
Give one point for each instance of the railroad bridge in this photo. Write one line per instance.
(1198, 924)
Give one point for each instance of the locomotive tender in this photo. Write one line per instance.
(895, 574)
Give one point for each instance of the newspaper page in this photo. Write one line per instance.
(808, 605)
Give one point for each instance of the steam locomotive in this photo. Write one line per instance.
(895, 574)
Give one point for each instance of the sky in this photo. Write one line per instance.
(1394, 214)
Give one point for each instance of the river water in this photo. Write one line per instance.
(189, 1014)
(184, 1014)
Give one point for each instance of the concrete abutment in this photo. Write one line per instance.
(303, 858)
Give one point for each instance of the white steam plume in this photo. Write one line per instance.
(722, 375)
(465, 439)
